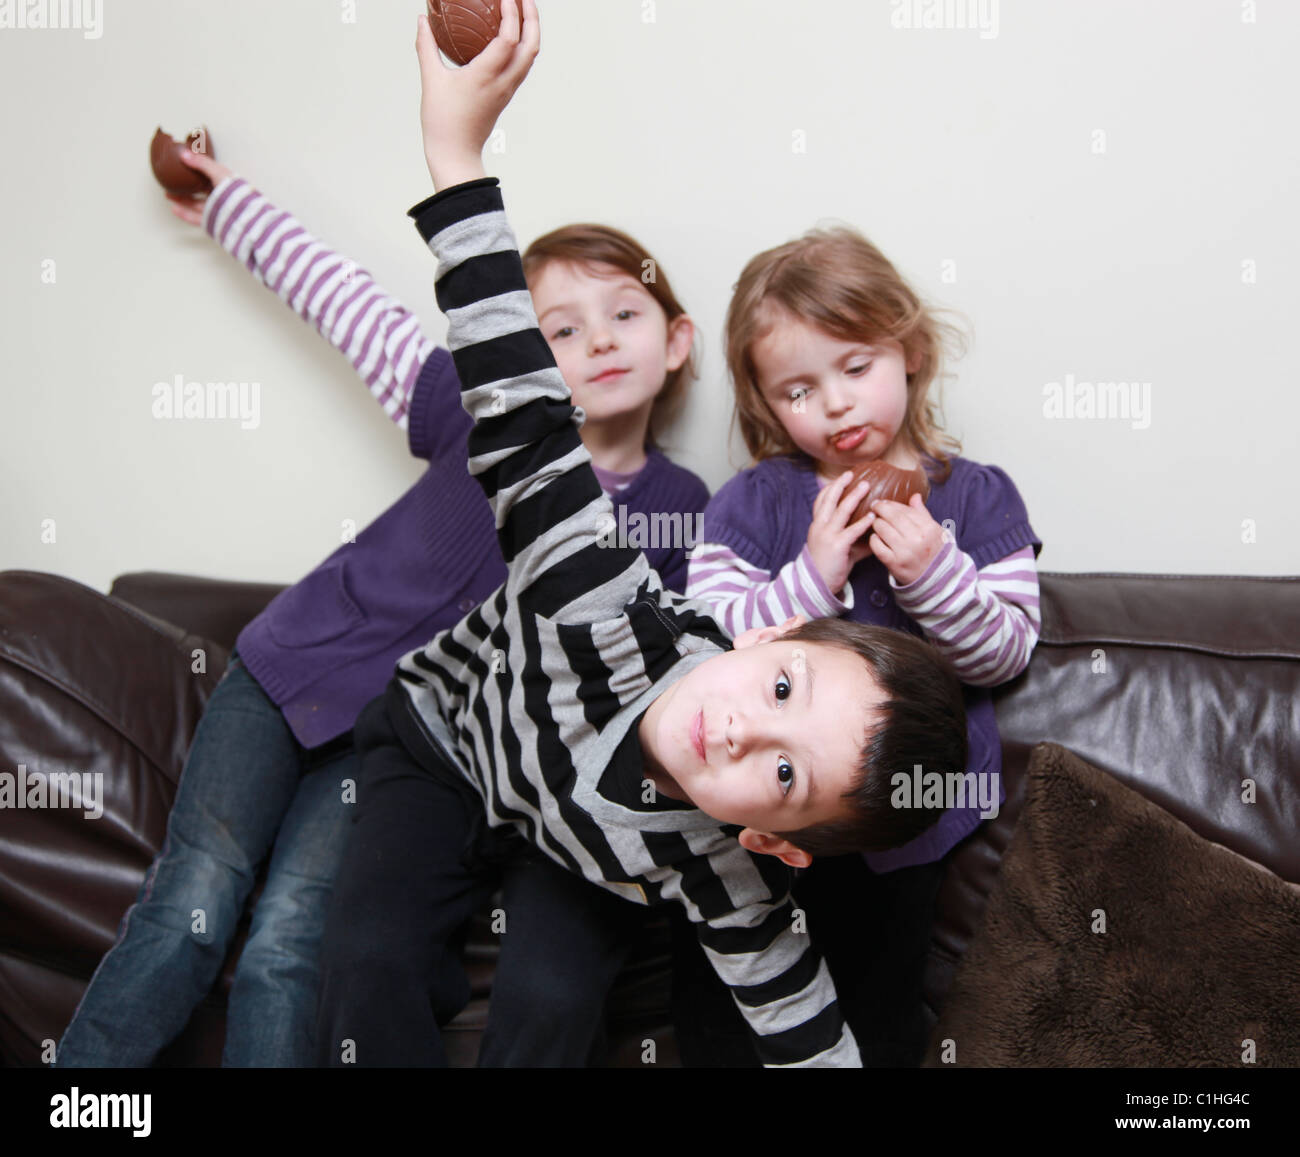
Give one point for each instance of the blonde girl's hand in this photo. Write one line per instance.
(460, 106)
(190, 209)
(834, 542)
(905, 538)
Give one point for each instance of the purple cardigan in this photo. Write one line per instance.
(763, 515)
(327, 645)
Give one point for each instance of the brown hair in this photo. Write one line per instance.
(591, 246)
(836, 280)
(921, 721)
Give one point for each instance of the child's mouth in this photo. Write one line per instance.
(850, 439)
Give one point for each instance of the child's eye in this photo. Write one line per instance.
(785, 776)
(784, 768)
(858, 371)
(800, 392)
(625, 314)
(559, 333)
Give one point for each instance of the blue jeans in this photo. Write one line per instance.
(247, 785)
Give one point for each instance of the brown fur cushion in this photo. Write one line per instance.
(1200, 953)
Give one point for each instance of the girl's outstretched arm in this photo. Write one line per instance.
(374, 331)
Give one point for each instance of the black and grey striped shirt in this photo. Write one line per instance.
(537, 694)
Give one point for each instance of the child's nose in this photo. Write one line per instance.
(835, 398)
(744, 734)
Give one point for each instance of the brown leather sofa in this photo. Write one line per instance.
(1169, 683)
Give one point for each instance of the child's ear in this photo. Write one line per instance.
(756, 635)
(764, 845)
(681, 336)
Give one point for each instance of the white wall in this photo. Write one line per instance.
(943, 145)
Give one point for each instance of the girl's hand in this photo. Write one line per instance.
(190, 209)
(460, 106)
(833, 541)
(906, 538)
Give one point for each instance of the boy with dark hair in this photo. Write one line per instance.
(588, 713)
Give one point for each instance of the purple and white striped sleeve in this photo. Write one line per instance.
(745, 596)
(985, 621)
(377, 334)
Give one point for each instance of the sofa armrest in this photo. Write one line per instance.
(212, 608)
(106, 697)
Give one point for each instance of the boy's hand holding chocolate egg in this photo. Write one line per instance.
(460, 106)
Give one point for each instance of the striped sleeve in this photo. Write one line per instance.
(744, 596)
(374, 331)
(760, 946)
(553, 520)
(985, 621)
(784, 991)
(762, 952)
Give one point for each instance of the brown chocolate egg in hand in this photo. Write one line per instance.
(463, 28)
(174, 174)
(889, 483)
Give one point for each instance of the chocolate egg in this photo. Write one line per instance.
(172, 173)
(889, 483)
(463, 28)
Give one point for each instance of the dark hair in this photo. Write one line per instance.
(591, 247)
(921, 721)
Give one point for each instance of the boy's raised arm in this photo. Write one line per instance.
(524, 447)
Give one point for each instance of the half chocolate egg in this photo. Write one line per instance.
(174, 174)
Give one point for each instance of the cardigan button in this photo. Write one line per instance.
(466, 605)
(878, 598)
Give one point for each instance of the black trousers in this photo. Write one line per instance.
(420, 862)
(873, 931)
